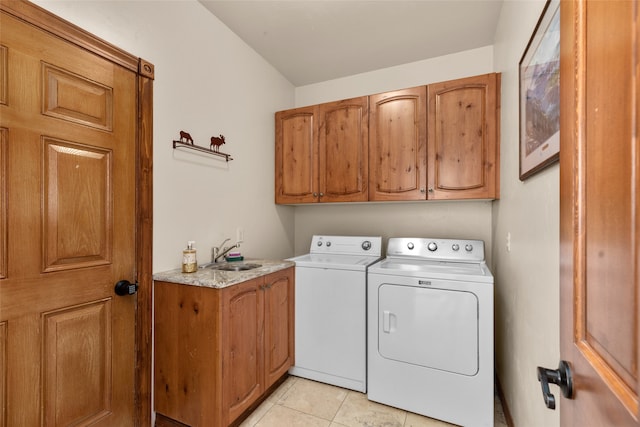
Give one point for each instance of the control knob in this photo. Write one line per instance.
(366, 245)
(468, 248)
(432, 246)
(410, 245)
(455, 247)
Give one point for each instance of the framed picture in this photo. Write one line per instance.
(540, 94)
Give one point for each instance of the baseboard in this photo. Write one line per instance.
(505, 407)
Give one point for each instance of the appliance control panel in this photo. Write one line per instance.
(346, 245)
(436, 249)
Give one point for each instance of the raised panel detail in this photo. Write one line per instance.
(77, 364)
(4, 74)
(298, 142)
(78, 214)
(460, 139)
(4, 135)
(3, 374)
(72, 97)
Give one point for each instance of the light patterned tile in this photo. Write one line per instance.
(278, 393)
(358, 411)
(415, 420)
(280, 416)
(257, 414)
(314, 398)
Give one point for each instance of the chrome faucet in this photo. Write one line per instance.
(220, 251)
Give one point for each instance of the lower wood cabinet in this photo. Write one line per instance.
(218, 350)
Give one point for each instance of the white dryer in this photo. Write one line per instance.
(330, 310)
(430, 330)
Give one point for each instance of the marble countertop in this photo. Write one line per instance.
(211, 278)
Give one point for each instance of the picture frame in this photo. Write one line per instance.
(539, 88)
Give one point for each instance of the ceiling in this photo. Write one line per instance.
(315, 41)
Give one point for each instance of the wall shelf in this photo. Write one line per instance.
(180, 144)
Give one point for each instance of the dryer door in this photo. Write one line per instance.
(431, 327)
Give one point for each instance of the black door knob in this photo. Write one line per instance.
(124, 287)
(561, 377)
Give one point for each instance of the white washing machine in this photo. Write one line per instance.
(330, 310)
(430, 330)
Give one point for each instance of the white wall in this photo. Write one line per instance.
(527, 277)
(468, 219)
(207, 82)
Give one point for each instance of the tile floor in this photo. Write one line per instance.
(299, 402)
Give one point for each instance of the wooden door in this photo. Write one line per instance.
(600, 211)
(68, 159)
(463, 141)
(343, 153)
(278, 324)
(398, 145)
(297, 155)
(242, 348)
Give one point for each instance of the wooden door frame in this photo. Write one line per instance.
(46, 21)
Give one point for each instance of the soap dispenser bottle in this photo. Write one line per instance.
(189, 262)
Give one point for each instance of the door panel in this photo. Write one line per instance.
(430, 327)
(242, 360)
(77, 205)
(463, 138)
(64, 90)
(278, 325)
(296, 155)
(344, 150)
(76, 379)
(600, 211)
(69, 155)
(398, 145)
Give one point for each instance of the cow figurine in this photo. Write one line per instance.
(186, 137)
(216, 142)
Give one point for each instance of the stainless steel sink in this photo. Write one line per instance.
(232, 266)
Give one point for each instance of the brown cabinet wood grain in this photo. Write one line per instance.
(322, 152)
(218, 350)
(435, 142)
(296, 155)
(398, 145)
(463, 143)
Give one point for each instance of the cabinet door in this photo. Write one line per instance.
(463, 138)
(242, 361)
(398, 145)
(344, 150)
(296, 155)
(278, 324)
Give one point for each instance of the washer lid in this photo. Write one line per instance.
(344, 262)
(447, 270)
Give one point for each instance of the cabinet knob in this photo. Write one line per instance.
(321, 194)
(315, 194)
(422, 190)
(430, 190)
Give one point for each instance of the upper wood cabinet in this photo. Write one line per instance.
(463, 143)
(398, 145)
(433, 142)
(322, 152)
(296, 155)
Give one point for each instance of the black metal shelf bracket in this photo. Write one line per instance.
(191, 146)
